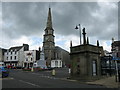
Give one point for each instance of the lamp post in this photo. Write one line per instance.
(109, 64)
(116, 70)
(79, 30)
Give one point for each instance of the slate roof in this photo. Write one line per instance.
(15, 48)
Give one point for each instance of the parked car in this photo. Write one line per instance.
(3, 72)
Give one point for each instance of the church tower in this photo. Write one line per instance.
(48, 42)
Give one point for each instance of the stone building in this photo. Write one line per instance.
(116, 50)
(51, 51)
(48, 42)
(85, 60)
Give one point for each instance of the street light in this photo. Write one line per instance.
(79, 30)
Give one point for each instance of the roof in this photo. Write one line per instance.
(116, 43)
(15, 48)
(59, 48)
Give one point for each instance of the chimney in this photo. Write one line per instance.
(87, 40)
(112, 40)
(70, 43)
(84, 36)
(97, 43)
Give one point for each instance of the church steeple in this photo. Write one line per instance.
(49, 20)
(48, 41)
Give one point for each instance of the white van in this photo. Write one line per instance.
(2, 64)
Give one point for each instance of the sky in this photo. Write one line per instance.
(24, 22)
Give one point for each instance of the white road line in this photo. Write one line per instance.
(7, 78)
(41, 75)
(29, 83)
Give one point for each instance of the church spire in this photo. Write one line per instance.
(49, 19)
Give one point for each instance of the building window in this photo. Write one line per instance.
(11, 52)
(56, 63)
(15, 57)
(15, 52)
(117, 54)
(7, 53)
(11, 57)
(31, 59)
(7, 58)
(26, 59)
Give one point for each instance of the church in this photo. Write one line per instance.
(55, 56)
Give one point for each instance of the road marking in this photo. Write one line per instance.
(7, 78)
(49, 77)
(29, 83)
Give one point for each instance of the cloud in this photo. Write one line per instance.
(28, 19)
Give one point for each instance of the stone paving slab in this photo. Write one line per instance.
(109, 82)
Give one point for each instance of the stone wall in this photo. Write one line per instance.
(82, 58)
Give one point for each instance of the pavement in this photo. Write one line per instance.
(109, 82)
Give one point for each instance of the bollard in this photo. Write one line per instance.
(53, 72)
(69, 71)
(32, 69)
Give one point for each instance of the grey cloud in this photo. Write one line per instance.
(30, 18)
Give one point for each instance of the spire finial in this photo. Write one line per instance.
(49, 5)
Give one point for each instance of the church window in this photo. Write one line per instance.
(46, 31)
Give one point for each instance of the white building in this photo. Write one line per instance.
(56, 63)
(14, 56)
(30, 57)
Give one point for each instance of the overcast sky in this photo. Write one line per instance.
(24, 22)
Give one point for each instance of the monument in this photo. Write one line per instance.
(85, 60)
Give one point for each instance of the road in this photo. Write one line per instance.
(42, 79)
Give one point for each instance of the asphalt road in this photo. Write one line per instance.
(43, 79)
